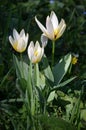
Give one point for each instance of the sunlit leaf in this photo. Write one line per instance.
(51, 96)
(63, 83)
(61, 68)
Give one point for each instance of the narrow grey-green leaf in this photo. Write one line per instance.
(63, 84)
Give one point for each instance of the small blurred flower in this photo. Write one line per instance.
(19, 41)
(35, 53)
(54, 29)
(74, 58)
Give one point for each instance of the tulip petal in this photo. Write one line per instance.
(61, 28)
(31, 50)
(50, 28)
(21, 45)
(41, 26)
(22, 33)
(26, 38)
(15, 34)
(54, 20)
(37, 46)
(11, 40)
(39, 56)
(61, 31)
(62, 22)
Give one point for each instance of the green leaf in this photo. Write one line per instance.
(17, 65)
(61, 68)
(47, 70)
(51, 96)
(7, 108)
(21, 85)
(83, 114)
(63, 84)
(42, 81)
(76, 110)
(22, 69)
(36, 78)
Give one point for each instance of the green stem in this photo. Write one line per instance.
(31, 91)
(53, 52)
(31, 98)
(36, 79)
(37, 74)
(22, 65)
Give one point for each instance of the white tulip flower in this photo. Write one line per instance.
(19, 41)
(54, 29)
(36, 52)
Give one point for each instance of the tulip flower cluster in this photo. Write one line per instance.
(19, 43)
(53, 31)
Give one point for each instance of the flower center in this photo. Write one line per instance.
(15, 45)
(36, 53)
(55, 33)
